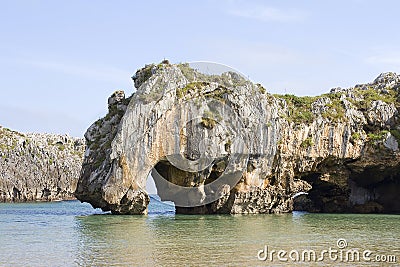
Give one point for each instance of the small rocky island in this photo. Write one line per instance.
(221, 144)
(38, 167)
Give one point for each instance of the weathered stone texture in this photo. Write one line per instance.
(38, 167)
(193, 130)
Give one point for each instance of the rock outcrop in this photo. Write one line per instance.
(38, 167)
(221, 144)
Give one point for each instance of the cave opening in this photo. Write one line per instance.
(301, 202)
(156, 205)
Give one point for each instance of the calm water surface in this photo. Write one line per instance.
(73, 234)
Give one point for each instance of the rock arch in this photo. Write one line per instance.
(273, 147)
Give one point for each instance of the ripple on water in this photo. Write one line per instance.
(71, 233)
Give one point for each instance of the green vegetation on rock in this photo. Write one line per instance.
(356, 136)
(369, 95)
(112, 111)
(191, 87)
(208, 123)
(261, 88)
(379, 136)
(209, 119)
(336, 110)
(228, 145)
(31, 163)
(308, 142)
(143, 74)
(226, 79)
(60, 146)
(218, 93)
(187, 71)
(361, 97)
(299, 108)
(194, 89)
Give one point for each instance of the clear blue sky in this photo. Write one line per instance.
(60, 60)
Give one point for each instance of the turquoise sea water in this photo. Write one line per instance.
(70, 233)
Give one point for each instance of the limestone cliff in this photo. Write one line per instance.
(221, 144)
(38, 167)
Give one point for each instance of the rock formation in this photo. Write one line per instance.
(38, 167)
(221, 144)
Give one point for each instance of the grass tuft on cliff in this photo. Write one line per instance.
(299, 107)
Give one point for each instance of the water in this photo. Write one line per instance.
(69, 233)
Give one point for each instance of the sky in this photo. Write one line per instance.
(60, 60)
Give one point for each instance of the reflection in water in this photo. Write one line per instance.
(225, 240)
(107, 239)
(68, 234)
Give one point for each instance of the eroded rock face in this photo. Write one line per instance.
(38, 167)
(220, 144)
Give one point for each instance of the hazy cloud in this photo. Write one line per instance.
(30, 119)
(385, 59)
(257, 54)
(108, 74)
(246, 9)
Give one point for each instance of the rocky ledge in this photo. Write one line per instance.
(38, 167)
(221, 144)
